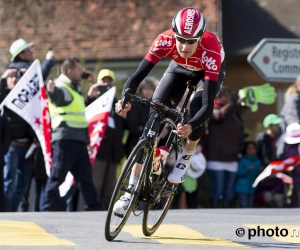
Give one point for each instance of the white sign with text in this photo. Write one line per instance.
(276, 59)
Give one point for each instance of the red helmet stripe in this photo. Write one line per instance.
(199, 26)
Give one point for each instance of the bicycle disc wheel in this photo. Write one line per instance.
(115, 222)
(154, 214)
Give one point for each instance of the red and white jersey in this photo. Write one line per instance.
(208, 56)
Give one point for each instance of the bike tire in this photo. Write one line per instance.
(154, 214)
(141, 151)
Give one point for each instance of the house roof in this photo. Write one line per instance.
(92, 29)
(246, 23)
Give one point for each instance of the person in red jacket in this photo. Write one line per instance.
(197, 56)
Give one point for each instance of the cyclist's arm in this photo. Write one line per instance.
(142, 71)
(210, 89)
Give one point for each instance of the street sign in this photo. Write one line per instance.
(276, 59)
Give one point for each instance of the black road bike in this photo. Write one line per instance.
(154, 191)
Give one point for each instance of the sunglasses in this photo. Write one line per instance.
(188, 41)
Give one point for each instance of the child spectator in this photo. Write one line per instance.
(248, 170)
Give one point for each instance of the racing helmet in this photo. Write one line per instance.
(189, 22)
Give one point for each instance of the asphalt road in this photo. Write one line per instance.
(181, 229)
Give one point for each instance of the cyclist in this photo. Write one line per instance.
(197, 56)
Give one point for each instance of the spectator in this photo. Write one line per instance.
(248, 170)
(137, 119)
(270, 191)
(196, 170)
(69, 137)
(265, 140)
(289, 113)
(224, 129)
(17, 170)
(22, 57)
(4, 145)
(112, 149)
(292, 148)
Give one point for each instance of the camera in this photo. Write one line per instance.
(85, 75)
(19, 74)
(103, 89)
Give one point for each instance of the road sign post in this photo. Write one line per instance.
(276, 59)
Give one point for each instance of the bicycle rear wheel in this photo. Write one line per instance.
(115, 222)
(155, 213)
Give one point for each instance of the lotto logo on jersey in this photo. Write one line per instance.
(163, 43)
(209, 62)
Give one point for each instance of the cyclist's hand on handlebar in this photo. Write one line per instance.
(120, 111)
(183, 131)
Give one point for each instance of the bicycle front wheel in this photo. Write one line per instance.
(115, 222)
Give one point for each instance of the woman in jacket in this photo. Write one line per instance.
(224, 142)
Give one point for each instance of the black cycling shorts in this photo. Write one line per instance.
(172, 87)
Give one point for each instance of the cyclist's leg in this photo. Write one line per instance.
(184, 160)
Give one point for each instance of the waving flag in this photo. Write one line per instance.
(277, 167)
(284, 177)
(29, 100)
(97, 116)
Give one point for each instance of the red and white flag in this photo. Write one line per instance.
(98, 117)
(29, 100)
(285, 178)
(277, 167)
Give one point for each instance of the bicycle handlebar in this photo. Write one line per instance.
(127, 97)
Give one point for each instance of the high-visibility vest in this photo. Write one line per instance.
(72, 114)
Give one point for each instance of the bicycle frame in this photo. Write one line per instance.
(151, 135)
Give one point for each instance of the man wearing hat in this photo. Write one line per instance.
(22, 57)
(112, 149)
(266, 139)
